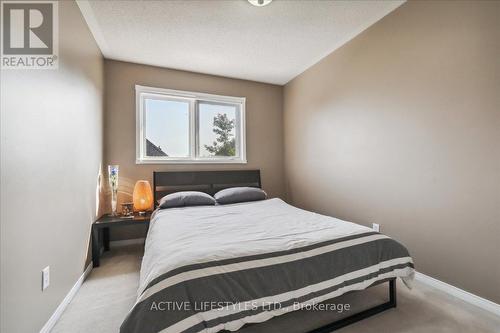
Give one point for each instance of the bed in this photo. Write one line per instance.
(227, 267)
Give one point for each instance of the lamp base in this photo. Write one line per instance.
(142, 213)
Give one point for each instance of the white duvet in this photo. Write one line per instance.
(188, 235)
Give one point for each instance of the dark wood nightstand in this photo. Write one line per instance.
(101, 227)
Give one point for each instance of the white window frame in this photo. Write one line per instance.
(193, 98)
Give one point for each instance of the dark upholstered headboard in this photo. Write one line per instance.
(166, 182)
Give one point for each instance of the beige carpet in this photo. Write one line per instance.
(106, 296)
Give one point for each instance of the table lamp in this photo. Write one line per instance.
(142, 197)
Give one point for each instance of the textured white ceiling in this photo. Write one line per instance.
(230, 38)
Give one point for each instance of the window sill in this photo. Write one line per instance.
(201, 161)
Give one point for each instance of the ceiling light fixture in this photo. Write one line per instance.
(260, 3)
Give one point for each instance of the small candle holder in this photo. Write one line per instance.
(128, 209)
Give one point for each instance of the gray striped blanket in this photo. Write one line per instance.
(213, 268)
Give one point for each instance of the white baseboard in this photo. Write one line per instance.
(466, 296)
(49, 325)
(127, 242)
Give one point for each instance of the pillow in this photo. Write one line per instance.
(186, 198)
(239, 194)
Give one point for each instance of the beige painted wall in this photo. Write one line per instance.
(51, 153)
(401, 126)
(264, 125)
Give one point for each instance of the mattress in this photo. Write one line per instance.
(214, 268)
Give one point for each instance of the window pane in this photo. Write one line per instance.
(217, 129)
(167, 128)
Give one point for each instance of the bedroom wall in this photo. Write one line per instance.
(51, 155)
(401, 126)
(264, 126)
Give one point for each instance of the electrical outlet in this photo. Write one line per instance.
(376, 227)
(45, 277)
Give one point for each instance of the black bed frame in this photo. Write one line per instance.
(391, 303)
(213, 181)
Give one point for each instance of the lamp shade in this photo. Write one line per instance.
(142, 196)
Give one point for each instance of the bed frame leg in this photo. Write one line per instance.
(363, 314)
(392, 293)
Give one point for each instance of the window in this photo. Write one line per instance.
(184, 127)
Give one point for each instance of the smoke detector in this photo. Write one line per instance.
(260, 3)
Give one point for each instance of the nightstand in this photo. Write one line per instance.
(101, 229)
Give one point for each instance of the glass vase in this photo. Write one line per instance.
(113, 184)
